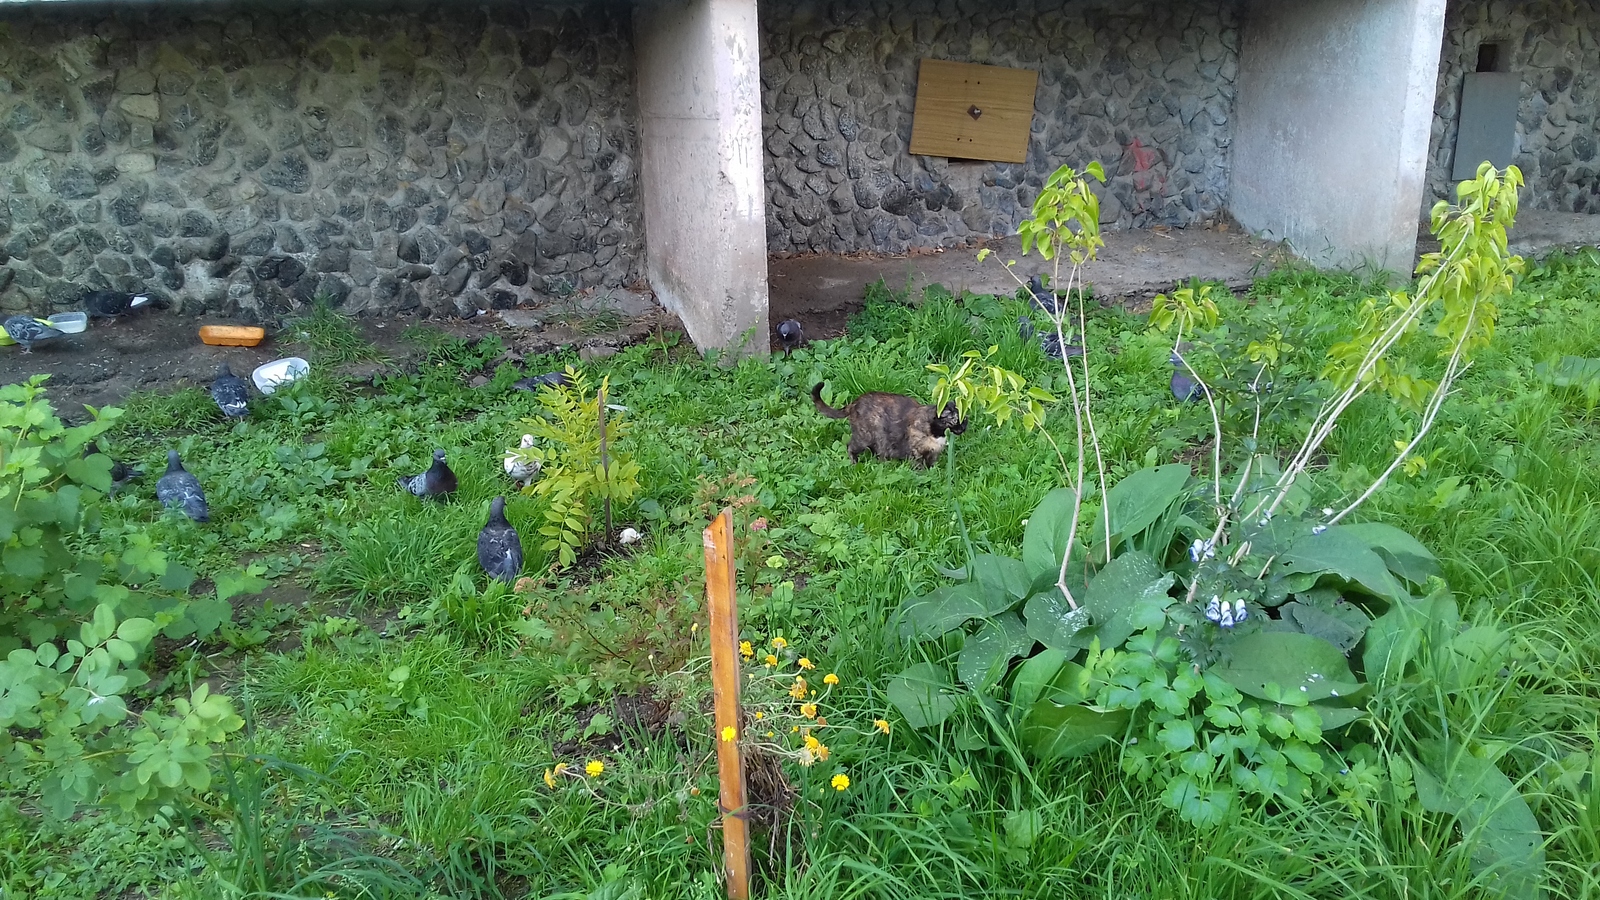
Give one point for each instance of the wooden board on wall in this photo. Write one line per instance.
(948, 93)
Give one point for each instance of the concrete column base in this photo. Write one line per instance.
(1331, 126)
(699, 69)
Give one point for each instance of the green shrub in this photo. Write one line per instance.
(73, 636)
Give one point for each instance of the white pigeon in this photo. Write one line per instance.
(520, 466)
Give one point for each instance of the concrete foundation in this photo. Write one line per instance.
(1331, 126)
(704, 205)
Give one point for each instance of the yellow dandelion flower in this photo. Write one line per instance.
(881, 724)
(746, 649)
(821, 752)
(812, 743)
(759, 714)
(809, 710)
(729, 732)
(549, 779)
(594, 768)
(798, 691)
(779, 643)
(830, 679)
(840, 781)
(771, 734)
(794, 728)
(770, 660)
(806, 664)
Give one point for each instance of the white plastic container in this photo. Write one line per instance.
(69, 322)
(269, 376)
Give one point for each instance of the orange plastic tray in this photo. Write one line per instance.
(232, 335)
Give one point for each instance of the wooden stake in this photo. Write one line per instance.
(718, 540)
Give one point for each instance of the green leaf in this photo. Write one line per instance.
(1055, 624)
(1336, 551)
(1035, 674)
(1393, 639)
(1176, 736)
(1054, 730)
(1126, 596)
(948, 608)
(178, 578)
(1338, 623)
(1506, 844)
(1137, 501)
(1045, 537)
(1001, 575)
(136, 631)
(988, 652)
(1403, 554)
(924, 695)
(1023, 827)
(206, 615)
(232, 584)
(1288, 668)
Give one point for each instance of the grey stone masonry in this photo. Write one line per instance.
(1554, 47)
(241, 159)
(1146, 88)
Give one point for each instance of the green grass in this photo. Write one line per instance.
(426, 721)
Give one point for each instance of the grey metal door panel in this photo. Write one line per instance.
(1488, 126)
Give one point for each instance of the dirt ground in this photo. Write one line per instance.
(822, 292)
(158, 350)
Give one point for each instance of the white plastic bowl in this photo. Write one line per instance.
(69, 322)
(269, 376)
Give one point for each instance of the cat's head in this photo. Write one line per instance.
(949, 420)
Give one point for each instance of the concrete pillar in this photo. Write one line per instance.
(699, 69)
(1331, 125)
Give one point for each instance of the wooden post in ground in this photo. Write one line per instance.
(725, 682)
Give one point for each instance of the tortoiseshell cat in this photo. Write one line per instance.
(894, 426)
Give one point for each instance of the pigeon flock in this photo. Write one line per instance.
(28, 331)
(499, 545)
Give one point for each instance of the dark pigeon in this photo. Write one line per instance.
(499, 547)
(27, 331)
(1049, 341)
(111, 304)
(1046, 301)
(1184, 388)
(231, 393)
(536, 382)
(121, 472)
(177, 489)
(790, 335)
(436, 482)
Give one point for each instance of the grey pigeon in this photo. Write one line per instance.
(499, 547)
(1045, 300)
(27, 331)
(230, 392)
(111, 304)
(177, 489)
(1049, 341)
(121, 472)
(1184, 388)
(436, 482)
(790, 335)
(536, 382)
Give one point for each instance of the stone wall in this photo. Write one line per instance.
(1553, 46)
(1144, 87)
(241, 159)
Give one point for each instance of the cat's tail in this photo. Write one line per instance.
(825, 409)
